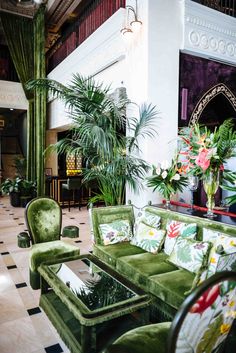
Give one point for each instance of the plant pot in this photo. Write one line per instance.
(24, 200)
(14, 199)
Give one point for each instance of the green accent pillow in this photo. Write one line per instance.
(149, 218)
(174, 229)
(148, 238)
(189, 254)
(115, 232)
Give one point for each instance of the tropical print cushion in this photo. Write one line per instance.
(115, 232)
(221, 245)
(189, 254)
(174, 230)
(148, 238)
(148, 218)
(209, 320)
(209, 235)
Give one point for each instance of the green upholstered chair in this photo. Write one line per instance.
(201, 325)
(73, 187)
(44, 219)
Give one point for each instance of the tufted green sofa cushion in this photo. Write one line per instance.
(53, 249)
(110, 253)
(171, 286)
(140, 266)
(145, 339)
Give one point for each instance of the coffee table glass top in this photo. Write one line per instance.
(93, 286)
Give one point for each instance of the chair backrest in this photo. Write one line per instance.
(43, 217)
(205, 318)
(74, 183)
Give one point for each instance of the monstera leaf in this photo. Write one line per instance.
(210, 337)
(183, 254)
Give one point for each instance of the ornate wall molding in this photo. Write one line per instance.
(207, 97)
(209, 33)
(12, 95)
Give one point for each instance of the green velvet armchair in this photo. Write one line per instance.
(44, 219)
(202, 324)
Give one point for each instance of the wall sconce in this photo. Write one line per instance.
(134, 25)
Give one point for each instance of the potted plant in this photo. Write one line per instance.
(11, 187)
(168, 179)
(27, 191)
(103, 135)
(205, 153)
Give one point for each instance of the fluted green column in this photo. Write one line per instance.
(40, 98)
(26, 41)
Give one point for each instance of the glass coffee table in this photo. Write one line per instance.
(90, 304)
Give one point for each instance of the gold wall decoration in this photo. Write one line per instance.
(207, 97)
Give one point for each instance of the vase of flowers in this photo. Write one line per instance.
(210, 185)
(205, 153)
(167, 178)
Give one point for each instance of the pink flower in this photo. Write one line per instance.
(202, 160)
(222, 167)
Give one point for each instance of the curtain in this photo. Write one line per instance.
(26, 38)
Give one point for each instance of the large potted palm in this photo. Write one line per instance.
(101, 132)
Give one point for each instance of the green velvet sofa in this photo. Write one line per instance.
(167, 283)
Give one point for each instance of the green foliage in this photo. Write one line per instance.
(11, 185)
(23, 186)
(210, 337)
(230, 177)
(101, 133)
(167, 178)
(20, 165)
(205, 150)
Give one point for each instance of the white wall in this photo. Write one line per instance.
(164, 41)
(148, 65)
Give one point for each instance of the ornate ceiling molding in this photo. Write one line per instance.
(207, 97)
(209, 33)
(25, 8)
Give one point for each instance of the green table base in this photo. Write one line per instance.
(70, 232)
(64, 322)
(23, 240)
(78, 338)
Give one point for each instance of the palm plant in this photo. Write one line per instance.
(98, 132)
(230, 177)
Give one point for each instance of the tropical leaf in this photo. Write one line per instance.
(173, 229)
(98, 132)
(188, 230)
(183, 254)
(210, 337)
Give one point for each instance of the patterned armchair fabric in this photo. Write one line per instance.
(206, 317)
(201, 325)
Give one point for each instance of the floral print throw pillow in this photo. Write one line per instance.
(148, 238)
(174, 229)
(115, 232)
(189, 254)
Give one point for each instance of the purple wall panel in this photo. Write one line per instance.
(198, 75)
